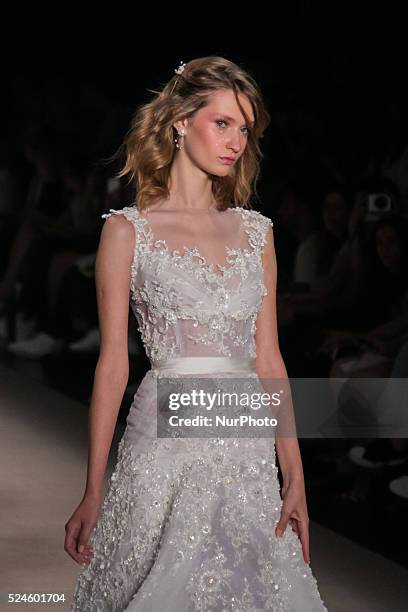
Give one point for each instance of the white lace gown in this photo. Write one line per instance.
(188, 524)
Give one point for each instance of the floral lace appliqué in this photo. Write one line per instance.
(222, 317)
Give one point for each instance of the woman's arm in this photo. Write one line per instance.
(112, 277)
(270, 366)
(269, 361)
(113, 270)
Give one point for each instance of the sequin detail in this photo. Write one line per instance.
(188, 523)
(220, 310)
(214, 505)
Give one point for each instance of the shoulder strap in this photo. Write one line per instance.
(256, 227)
(132, 214)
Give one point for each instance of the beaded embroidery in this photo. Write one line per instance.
(195, 514)
(212, 500)
(223, 318)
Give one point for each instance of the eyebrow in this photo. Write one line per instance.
(232, 118)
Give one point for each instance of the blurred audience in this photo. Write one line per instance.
(340, 234)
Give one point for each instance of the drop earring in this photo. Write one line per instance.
(182, 132)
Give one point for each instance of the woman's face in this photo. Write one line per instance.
(388, 246)
(217, 130)
(335, 213)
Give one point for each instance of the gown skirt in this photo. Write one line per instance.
(188, 524)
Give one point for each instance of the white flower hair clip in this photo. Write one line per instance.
(180, 69)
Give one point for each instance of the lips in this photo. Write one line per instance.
(227, 160)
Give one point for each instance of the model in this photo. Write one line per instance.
(190, 523)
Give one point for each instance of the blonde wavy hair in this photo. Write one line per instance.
(149, 144)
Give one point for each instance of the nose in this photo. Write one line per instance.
(235, 143)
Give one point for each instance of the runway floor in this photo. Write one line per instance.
(43, 455)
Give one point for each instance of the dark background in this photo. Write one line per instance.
(335, 80)
(340, 68)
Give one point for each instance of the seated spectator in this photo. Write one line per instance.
(297, 216)
(344, 299)
(44, 202)
(59, 243)
(387, 290)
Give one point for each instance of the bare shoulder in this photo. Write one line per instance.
(117, 236)
(119, 224)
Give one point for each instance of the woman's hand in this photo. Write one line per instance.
(294, 512)
(78, 529)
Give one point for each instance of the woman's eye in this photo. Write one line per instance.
(223, 121)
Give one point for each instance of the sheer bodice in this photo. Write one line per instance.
(197, 280)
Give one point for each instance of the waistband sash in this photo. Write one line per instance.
(204, 365)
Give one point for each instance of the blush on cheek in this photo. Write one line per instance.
(208, 135)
